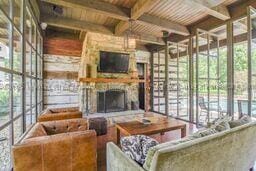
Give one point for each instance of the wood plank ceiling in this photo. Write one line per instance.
(151, 17)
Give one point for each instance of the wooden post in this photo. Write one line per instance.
(249, 54)
(191, 81)
(230, 69)
(166, 89)
(152, 81)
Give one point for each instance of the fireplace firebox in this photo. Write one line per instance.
(111, 101)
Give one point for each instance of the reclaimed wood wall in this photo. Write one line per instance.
(60, 46)
(61, 64)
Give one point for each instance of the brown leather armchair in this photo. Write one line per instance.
(57, 145)
(60, 114)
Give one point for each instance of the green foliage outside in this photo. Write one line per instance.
(240, 71)
(4, 101)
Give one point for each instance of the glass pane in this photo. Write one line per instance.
(39, 108)
(28, 119)
(34, 115)
(39, 89)
(38, 43)
(17, 95)
(17, 13)
(4, 41)
(6, 6)
(5, 152)
(28, 26)
(4, 97)
(38, 66)
(17, 58)
(41, 68)
(28, 93)
(17, 129)
(28, 59)
(33, 89)
(33, 62)
(33, 38)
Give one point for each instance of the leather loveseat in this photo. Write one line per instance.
(57, 145)
(60, 114)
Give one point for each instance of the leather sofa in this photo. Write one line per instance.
(60, 114)
(57, 145)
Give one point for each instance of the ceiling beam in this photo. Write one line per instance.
(76, 24)
(123, 14)
(237, 11)
(100, 7)
(163, 24)
(150, 39)
(85, 26)
(137, 11)
(141, 7)
(212, 7)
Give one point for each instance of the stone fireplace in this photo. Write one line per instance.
(105, 97)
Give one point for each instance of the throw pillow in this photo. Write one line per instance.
(220, 124)
(243, 120)
(223, 126)
(152, 151)
(146, 144)
(131, 147)
(137, 146)
(204, 132)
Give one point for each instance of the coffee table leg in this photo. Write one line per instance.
(183, 132)
(117, 136)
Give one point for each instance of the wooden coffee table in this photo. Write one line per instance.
(138, 128)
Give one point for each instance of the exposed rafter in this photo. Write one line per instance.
(212, 7)
(94, 6)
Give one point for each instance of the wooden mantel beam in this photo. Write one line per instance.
(100, 7)
(212, 7)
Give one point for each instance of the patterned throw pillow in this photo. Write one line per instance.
(146, 144)
(203, 133)
(220, 124)
(243, 120)
(137, 146)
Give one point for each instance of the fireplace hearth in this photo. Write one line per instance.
(111, 101)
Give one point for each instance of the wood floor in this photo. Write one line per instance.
(111, 136)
